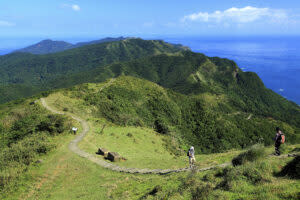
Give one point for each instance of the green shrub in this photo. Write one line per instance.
(161, 127)
(254, 153)
(253, 173)
(33, 123)
(202, 191)
(209, 177)
(15, 159)
(25, 151)
(53, 124)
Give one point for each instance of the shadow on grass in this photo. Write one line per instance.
(292, 169)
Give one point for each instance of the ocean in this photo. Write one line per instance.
(275, 59)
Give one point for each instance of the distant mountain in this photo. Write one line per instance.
(108, 39)
(24, 70)
(47, 46)
(50, 46)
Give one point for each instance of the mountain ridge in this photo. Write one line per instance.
(53, 46)
(168, 65)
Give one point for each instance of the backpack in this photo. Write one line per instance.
(282, 139)
(188, 153)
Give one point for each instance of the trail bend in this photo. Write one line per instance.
(73, 146)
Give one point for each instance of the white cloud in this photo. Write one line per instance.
(74, 7)
(238, 15)
(6, 23)
(281, 90)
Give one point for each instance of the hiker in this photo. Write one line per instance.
(74, 129)
(279, 139)
(191, 155)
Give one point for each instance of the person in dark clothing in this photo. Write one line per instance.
(278, 138)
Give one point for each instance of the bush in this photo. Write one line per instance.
(53, 124)
(161, 127)
(25, 151)
(197, 188)
(15, 159)
(34, 123)
(255, 153)
(202, 191)
(292, 169)
(252, 173)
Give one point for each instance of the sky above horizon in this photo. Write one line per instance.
(96, 18)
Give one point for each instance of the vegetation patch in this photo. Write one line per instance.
(253, 173)
(24, 138)
(254, 153)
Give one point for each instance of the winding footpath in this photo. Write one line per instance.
(85, 129)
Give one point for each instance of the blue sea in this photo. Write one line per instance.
(275, 59)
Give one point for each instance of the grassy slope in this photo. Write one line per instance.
(199, 120)
(144, 149)
(194, 73)
(64, 175)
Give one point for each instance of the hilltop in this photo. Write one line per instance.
(49, 46)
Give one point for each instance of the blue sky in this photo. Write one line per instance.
(98, 18)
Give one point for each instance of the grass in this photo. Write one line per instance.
(292, 169)
(254, 153)
(64, 175)
(54, 179)
(142, 147)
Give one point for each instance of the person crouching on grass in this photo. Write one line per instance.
(191, 154)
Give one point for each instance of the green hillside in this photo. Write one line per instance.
(36, 71)
(209, 121)
(219, 81)
(152, 127)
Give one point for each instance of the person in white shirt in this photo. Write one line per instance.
(191, 155)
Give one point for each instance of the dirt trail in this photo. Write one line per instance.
(85, 129)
